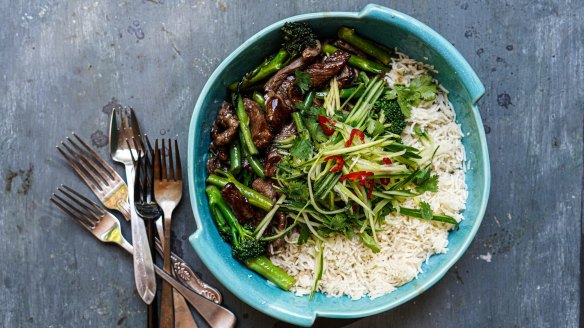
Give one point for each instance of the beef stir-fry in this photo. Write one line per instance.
(310, 143)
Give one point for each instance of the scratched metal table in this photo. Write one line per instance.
(65, 64)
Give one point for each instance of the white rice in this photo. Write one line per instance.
(354, 270)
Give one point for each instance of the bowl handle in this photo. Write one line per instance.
(468, 77)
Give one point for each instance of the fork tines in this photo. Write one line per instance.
(160, 165)
(96, 173)
(124, 118)
(78, 207)
(144, 184)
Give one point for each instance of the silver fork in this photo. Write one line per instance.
(106, 227)
(148, 209)
(123, 129)
(105, 183)
(112, 191)
(167, 192)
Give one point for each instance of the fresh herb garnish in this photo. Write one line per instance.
(426, 211)
(301, 148)
(303, 81)
(420, 88)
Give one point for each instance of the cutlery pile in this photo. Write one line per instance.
(147, 200)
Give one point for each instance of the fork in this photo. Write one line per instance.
(121, 151)
(114, 195)
(168, 192)
(106, 227)
(105, 183)
(148, 209)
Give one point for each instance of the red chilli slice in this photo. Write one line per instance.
(355, 132)
(327, 126)
(339, 162)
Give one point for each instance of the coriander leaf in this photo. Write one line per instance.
(349, 233)
(422, 175)
(424, 86)
(314, 112)
(369, 242)
(338, 222)
(390, 95)
(325, 232)
(303, 80)
(301, 148)
(285, 169)
(421, 133)
(430, 184)
(315, 131)
(295, 190)
(304, 234)
(420, 88)
(426, 211)
(299, 105)
(374, 128)
(406, 98)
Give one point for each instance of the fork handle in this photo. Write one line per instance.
(167, 306)
(143, 265)
(152, 310)
(189, 278)
(214, 314)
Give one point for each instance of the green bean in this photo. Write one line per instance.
(359, 62)
(259, 99)
(235, 158)
(244, 127)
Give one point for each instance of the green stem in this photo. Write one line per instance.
(308, 101)
(417, 214)
(262, 72)
(261, 227)
(268, 270)
(244, 127)
(255, 164)
(367, 46)
(257, 96)
(226, 220)
(343, 93)
(297, 118)
(254, 197)
(235, 158)
(359, 62)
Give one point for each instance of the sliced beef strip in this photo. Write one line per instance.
(225, 127)
(346, 77)
(213, 164)
(265, 187)
(286, 132)
(221, 152)
(260, 131)
(218, 160)
(275, 81)
(308, 56)
(278, 113)
(346, 46)
(321, 73)
(280, 226)
(243, 210)
(271, 162)
(290, 92)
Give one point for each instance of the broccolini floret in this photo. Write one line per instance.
(297, 37)
(393, 115)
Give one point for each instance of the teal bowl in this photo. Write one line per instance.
(392, 29)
